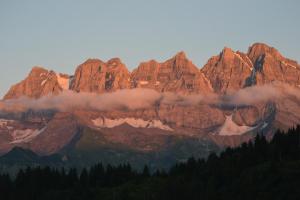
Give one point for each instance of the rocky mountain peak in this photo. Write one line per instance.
(180, 55)
(270, 65)
(118, 65)
(93, 60)
(37, 70)
(38, 83)
(98, 76)
(151, 62)
(177, 74)
(258, 50)
(262, 64)
(227, 54)
(114, 62)
(228, 71)
(179, 62)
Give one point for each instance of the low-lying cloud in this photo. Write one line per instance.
(264, 93)
(68, 100)
(132, 99)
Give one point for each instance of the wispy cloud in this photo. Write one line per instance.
(144, 98)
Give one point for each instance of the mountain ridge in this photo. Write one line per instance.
(227, 71)
(234, 97)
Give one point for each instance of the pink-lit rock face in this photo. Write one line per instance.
(184, 101)
(177, 74)
(97, 76)
(228, 71)
(39, 82)
(262, 64)
(271, 66)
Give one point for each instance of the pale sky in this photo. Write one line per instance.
(61, 34)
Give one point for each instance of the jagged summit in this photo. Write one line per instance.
(227, 53)
(260, 49)
(98, 76)
(181, 55)
(38, 83)
(114, 61)
(262, 64)
(260, 45)
(37, 69)
(177, 74)
(93, 60)
(97, 60)
(228, 71)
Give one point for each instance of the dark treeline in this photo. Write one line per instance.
(255, 170)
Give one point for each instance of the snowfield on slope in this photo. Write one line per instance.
(231, 128)
(137, 123)
(63, 82)
(26, 135)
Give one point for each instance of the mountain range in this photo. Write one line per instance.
(158, 114)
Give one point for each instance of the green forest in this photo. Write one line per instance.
(259, 169)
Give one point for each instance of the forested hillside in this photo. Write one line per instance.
(259, 169)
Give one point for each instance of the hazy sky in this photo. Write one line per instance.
(61, 34)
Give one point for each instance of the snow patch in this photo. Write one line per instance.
(207, 80)
(292, 66)
(238, 56)
(249, 61)
(143, 82)
(137, 123)
(264, 125)
(43, 82)
(231, 128)
(250, 67)
(63, 82)
(289, 65)
(26, 135)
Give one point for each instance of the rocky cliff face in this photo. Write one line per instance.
(270, 65)
(224, 125)
(228, 71)
(262, 64)
(97, 76)
(177, 74)
(39, 82)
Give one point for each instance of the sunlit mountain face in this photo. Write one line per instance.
(158, 114)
